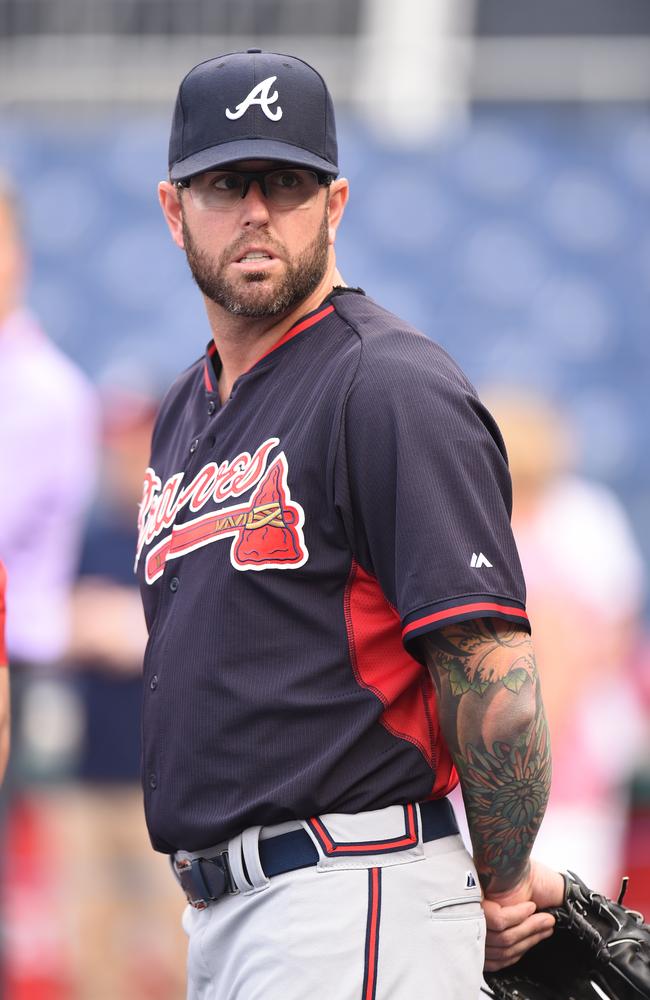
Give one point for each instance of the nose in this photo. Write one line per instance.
(255, 209)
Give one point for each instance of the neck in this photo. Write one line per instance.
(242, 340)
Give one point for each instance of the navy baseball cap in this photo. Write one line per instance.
(252, 105)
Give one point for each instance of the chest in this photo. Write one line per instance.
(240, 488)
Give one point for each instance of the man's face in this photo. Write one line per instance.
(257, 260)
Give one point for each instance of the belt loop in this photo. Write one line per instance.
(250, 842)
(418, 813)
(237, 865)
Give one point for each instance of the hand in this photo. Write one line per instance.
(513, 923)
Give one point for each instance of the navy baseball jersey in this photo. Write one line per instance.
(351, 495)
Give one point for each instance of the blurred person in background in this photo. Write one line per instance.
(122, 909)
(47, 462)
(585, 589)
(5, 721)
(47, 470)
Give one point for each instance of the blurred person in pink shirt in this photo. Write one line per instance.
(48, 446)
(48, 431)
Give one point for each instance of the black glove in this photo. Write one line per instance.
(599, 950)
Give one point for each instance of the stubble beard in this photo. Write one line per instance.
(260, 295)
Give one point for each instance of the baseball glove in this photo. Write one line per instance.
(599, 950)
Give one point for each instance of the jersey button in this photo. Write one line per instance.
(194, 446)
(153, 780)
(174, 584)
(211, 407)
(153, 683)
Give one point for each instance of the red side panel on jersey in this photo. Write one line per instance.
(382, 665)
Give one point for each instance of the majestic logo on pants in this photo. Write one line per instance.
(259, 95)
(266, 530)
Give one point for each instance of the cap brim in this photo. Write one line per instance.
(228, 153)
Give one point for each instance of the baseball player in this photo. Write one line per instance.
(337, 629)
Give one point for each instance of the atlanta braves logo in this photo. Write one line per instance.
(259, 95)
(266, 531)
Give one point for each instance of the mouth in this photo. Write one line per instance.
(255, 257)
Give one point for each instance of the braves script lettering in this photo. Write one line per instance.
(267, 530)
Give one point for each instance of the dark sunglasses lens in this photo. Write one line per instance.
(291, 187)
(286, 188)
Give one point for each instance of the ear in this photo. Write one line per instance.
(339, 192)
(170, 202)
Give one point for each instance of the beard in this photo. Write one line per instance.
(256, 293)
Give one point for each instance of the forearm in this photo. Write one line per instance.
(492, 718)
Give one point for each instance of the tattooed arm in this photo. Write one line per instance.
(492, 717)
(493, 721)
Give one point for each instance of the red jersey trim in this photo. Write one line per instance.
(295, 330)
(207, 378)
(479, 608)
(331, 848)
(285, 338)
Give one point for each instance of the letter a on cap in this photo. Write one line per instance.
(259, 95)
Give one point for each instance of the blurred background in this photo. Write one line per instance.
(499, 159)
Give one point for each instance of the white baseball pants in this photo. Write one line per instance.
(399, 926)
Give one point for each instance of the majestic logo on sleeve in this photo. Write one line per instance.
(259, 95)
(266, 530)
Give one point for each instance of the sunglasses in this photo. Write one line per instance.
(286, 187)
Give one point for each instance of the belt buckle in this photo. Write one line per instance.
(192, 880)
(189, 875)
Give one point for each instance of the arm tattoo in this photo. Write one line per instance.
(492, 717)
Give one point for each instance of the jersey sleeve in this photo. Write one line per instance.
(424, 491)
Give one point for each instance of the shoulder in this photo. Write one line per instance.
(393, 349)
(186, 383)
(399, 366)
(182, 388)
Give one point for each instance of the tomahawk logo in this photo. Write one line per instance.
(266, 530)
(259, 95)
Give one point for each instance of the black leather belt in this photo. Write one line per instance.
(205, 880)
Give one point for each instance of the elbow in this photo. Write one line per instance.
(509, 717)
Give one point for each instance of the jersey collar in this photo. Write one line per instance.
(212, 363)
